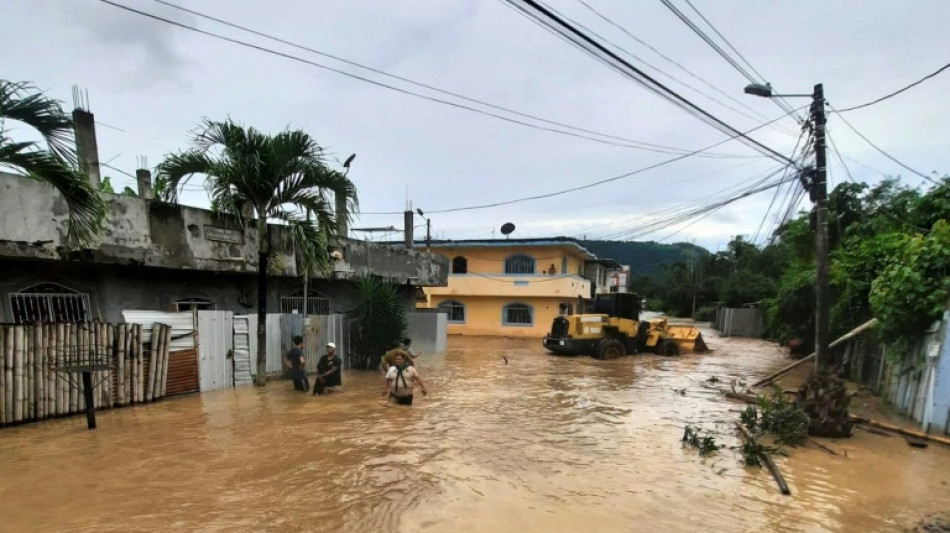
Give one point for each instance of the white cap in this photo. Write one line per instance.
(331, 345)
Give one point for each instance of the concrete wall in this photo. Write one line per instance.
(149, 233)
(428, 332)
(740, 322)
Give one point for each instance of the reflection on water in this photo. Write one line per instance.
(542, 443)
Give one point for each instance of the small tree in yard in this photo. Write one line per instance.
(380, 319)
(273, 177)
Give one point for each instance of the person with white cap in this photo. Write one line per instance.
(329, 374)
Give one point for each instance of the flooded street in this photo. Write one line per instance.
(540, 444)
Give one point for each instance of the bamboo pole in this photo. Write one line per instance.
(157, 351)
(140, 365)
(48, 340)
(62, 338)
(27, 373)
(121, 380)
(130, 363)
(18, 373)
(150, 379)
(844, 338)
(3, 375)
(8, 372)
(39, 390)
(166, 349)
(898, 429)
(111, 351)
(767, 459)
(73, 351)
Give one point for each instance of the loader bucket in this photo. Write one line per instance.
(688, 338)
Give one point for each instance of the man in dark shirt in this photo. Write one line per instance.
(329, 372)
(297, 363)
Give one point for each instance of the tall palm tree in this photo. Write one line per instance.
(54, 163)
(273, 177)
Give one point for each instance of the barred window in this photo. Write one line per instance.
(317, 304)
(519, 264)
(50, 303)
(517, 315)
(454, 310)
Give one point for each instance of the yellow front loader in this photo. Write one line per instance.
(614, 330)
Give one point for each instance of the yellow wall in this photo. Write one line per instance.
(483, 316)
(485, 289)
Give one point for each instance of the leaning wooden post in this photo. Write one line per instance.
(166, 351)
(140, 364)
(39, 389)
(767, 459)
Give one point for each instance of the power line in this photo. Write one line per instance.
(585, 133)
(597, 50)
(661, 71)
(725, 55)
(897, 92)
(667, 58)
(589, 185)
(885, 154)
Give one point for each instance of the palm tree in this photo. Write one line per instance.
(55, 163)
(273, 177)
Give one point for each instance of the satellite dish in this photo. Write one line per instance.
(507, 228)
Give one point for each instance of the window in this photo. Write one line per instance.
(564, 266)
(519, 264)
(187, 304)
(459, 265)
(454, 310)
(50, 303)
(517, 315)
(317, 304)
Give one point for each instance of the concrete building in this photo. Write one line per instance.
(515, 286)
(158, 256)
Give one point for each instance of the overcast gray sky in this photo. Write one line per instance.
(155, 83)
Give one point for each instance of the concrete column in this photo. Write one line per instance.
(144, 178)
(407, 218)
(341, 215)
(84, 124)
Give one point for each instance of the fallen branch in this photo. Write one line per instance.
(844, 338)
(900, 430)
(768, 461)
(822, 446)
(747, 398)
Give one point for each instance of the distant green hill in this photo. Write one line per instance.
(644, 258)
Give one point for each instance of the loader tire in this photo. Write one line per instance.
(667, 347)
(610, 349)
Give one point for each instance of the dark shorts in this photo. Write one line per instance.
(401, 400)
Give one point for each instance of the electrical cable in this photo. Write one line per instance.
(879, 149)
(897, 92)
(565, 30)
(626, 143)
(582, 187)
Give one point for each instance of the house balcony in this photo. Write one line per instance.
(513, 286)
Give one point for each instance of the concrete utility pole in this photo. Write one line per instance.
(823, 358)
(84, 124)
(407, 221)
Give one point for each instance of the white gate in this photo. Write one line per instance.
(215, 349)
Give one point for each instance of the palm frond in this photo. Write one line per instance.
(309, 240)
(24, 102)
(87, 209)
(178, 169)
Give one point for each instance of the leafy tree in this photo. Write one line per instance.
(380, 319)
(270, 176)
(54, 161)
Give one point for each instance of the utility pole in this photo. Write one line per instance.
(428, 233)
(820, 188)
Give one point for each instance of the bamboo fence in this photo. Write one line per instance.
(41, 368)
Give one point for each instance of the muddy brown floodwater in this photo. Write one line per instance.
(541, 444)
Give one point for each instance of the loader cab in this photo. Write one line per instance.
(617, 304)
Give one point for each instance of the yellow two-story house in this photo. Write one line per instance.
(512, 287)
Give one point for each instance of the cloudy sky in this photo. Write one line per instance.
(150, 83)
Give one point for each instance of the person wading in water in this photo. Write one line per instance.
(329, 378)
(400, 381)
(296, 362)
